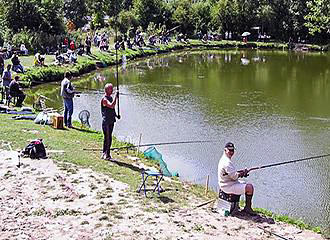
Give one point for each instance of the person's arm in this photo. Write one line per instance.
(232, 172)
(69, 89)
(107, 103)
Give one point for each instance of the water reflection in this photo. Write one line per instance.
(275, 108)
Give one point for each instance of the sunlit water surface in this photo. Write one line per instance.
(273, 105)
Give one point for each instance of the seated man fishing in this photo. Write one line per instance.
(15, 91)
(228, 178)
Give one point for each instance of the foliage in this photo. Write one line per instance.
(127, 20)
(97, 21)
(39, 41)
(18, 25)
(202, 16)
(307, 20)
(148, 11)
(76, 11)
(55, 73)
(318, 17)
(51, 12)
(183, 16)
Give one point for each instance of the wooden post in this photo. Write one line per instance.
(138, 147)
(207, 184)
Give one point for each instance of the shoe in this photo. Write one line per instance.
(108, 158)
(249, 211)
(70, 126)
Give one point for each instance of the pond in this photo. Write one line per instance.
(274, 105)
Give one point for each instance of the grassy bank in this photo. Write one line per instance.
(73, 141)
(99, 59)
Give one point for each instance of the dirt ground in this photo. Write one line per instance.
(43, 200)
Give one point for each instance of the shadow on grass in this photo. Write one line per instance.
(257, 219)
(166, 200)
(86, 130)
(127, 165)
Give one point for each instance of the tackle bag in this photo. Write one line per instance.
(35, 149)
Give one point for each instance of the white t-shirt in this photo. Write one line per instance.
(227, 173)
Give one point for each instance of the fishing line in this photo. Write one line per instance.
(155, 144)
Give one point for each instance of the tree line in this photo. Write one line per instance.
(41, 20)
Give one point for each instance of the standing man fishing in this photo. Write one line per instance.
(108, 104)
(228, 178)
(67, 92)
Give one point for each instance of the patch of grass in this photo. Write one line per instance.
(64, 212)
(282, 218)
(122, 202)
(8, 174)
(39, 212)
(104, 193)
(104, 218)
(198, 228)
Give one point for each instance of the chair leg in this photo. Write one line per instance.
(158, 184)
(143, 184)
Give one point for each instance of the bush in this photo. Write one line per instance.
(36, 41)
(24, 37)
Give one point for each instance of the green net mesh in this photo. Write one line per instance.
(152, 153)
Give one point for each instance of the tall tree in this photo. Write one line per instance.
(51, 12)
(76, 11)
(148, 11)
(318, 17)
(183, 15)
(34, 15)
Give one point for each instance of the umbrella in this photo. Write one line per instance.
(245, 34)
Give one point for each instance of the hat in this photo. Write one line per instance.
(230, 146)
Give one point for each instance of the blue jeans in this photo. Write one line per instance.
(68, 111)
(18, 68)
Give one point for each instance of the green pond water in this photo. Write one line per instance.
(273, 105)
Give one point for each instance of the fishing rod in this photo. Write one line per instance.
(42, 82)
(116, 34)
(287, 162)
(272, 233)
(101, 91)
(154, 144)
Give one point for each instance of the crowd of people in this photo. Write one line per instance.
(69, 50)
(10, 87)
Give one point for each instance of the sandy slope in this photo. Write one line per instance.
(40, 200)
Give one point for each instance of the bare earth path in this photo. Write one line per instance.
(42, 200)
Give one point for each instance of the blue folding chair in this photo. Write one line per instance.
(145, 175)
(152, 153)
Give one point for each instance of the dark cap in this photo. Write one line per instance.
(230, 146)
